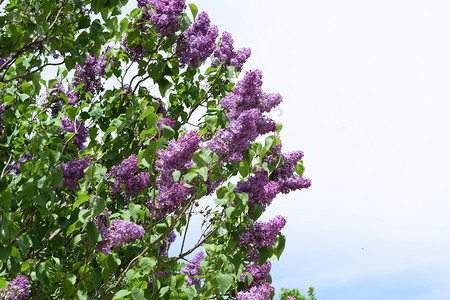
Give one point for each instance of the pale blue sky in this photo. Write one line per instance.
(366, 96)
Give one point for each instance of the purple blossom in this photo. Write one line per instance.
(248, 94)
(91, 73)
(179, 154)
(259, 189)
(161, 109)
(262, 234)
(81, 132)
(166, 14)
(150, 282)
(259, 273)
(22, 159)
(18, 289)
(164, 122)
(192, 268)
(55, 102)
(226, 54)
(163, 250)
(259, 292)
(124, 177)
(118, 233)
(169, 199)
(285, 174)
(136, 53)
(74, 171)
(230, 142)
(198, 42)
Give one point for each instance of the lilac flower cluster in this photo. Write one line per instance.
(259, 273)
(225, 53)
(2, 110)
(137, 52)
(192, 268)
(284, 175)
(259, 292)
(244, 105)
(124, 176)
(74, 171)
(261, 235)
(198, 42)
(161, 109)
(22, 159)
(54, 100)
(166, 14)
(178, 156)
(163, 250)
(248, 94)
(18, 289)
(81, 132)
(118, 233)
(91, 73)
(150, 281)
(160, 125)
(259, 188)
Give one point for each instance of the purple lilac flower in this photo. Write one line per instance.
(169, 199)
(248, 94)
(192, 268)
(124, 177)
(178, 156)
(259, 273)
(169, 240)
(54, 100)
(22, 159)
(259, 292)
(2, 109)
(137, 52)
(259, 189)
(80, 130)
(18, 289)
(150, 282)
(161, 109)
(285, 174)
(226, 54)
(74, 171)
(198, 42)
(91, 73)
(262, 234)
(230, 142)
(166, 14)
(160, 126)
(118, 233)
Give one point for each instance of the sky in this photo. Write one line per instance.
(366, 96)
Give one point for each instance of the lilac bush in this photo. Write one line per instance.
(113, 132)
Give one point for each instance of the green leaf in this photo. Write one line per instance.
(299, 169)
(224, 281)
(137, 293)
(257, 211)
(194, 10)
(147, 263)
(163, 85)
(168, 132)
(203, 171)
(27, 88)
(121, 294)
(281, 244)
(93, 233)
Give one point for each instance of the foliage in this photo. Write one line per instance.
(103, 165)
(290, 294)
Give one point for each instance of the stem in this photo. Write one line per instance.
(82, 275)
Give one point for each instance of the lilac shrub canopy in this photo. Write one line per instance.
(115, 133)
